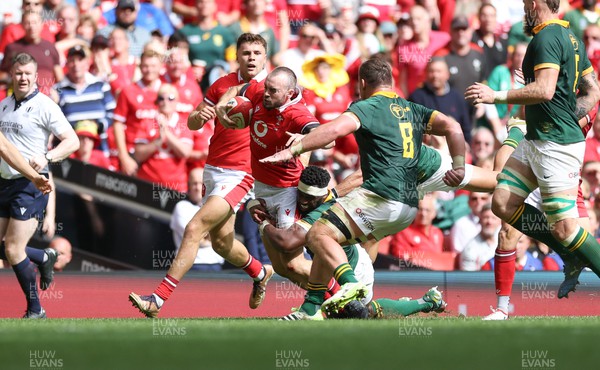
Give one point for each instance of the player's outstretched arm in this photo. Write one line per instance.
(320, 137)
(13, 157)
(538, 91)
(285, 240)
(443, 125)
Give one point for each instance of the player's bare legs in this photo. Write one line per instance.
(217, 218)
(560, 231)
(324, 240)
(213, 213)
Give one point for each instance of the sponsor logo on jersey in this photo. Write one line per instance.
(398, 111)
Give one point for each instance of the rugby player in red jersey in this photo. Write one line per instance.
(227, 181)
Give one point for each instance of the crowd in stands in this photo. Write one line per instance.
(127, 74)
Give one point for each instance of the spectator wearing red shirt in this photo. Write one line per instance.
(88, 7)
(421, 235)
(67, 37)
(87, 131)
(124, 67)
(161, 148)
(276, 15)
(414, 55)
(136, 110)
(228, 11)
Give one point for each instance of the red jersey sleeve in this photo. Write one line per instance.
(122, 108)
(254, 92)
(302, 120)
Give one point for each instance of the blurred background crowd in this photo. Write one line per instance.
(113, 65)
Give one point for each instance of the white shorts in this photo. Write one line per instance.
(556, 166)
(376, 215)
(535, 199)
(364, 272)
(436, 181)
(281, 203)
(231, 185)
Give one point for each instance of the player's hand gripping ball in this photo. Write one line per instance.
(239, 111)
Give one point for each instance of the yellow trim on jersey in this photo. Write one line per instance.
(547, 65)
(431, 119)
(541, 26)
(587, 71)
(387, 94)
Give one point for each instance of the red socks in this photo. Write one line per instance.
(504, 271)
(166, 287)
(253, 268)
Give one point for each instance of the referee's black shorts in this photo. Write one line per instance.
(21, 200)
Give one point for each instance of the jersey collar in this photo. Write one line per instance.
(259, 77)
(387, 94)
(541, 26)
(295, 99)
(18, 103)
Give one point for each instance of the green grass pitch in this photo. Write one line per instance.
(422, 342)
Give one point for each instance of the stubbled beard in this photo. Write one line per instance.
(528, 25)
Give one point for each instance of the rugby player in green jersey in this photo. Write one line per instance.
(313, 199)
(560, 89)
(389, 131)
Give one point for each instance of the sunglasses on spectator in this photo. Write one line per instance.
(31, 3)
(163, 98)
(305, 36)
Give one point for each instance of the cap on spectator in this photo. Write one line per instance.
(459, 22)
(87, 128)
(127, 4)
(368, 12)
(100, 42)
(388, 28)
(79, 50)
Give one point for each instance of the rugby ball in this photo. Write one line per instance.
(239, 110)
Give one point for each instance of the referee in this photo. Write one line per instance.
(27, 119)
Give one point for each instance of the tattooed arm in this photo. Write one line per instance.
(588, 95)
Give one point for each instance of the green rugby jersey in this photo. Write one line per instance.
(389, 141)
(307, 221)
(555, 46)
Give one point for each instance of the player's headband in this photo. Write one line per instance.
(312, 190)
